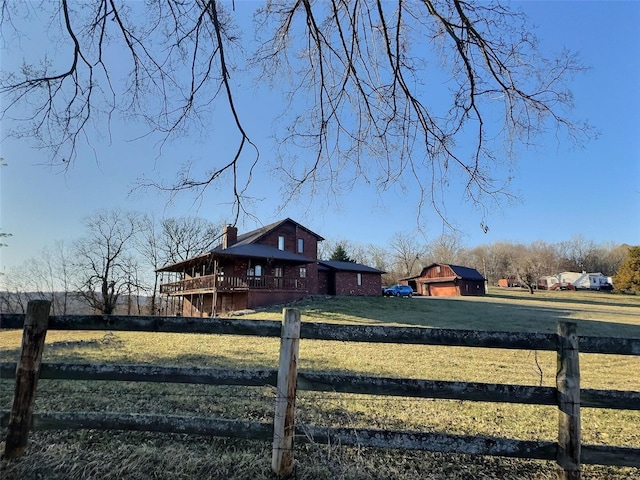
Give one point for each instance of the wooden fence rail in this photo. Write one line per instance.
(569, 452)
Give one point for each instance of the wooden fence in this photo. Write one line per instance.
(568, 452)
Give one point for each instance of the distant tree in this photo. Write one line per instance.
(340, 254)
(628, 276)
(185, 237)
(530, 263)
(406, 252)
(172, 240)
(49, 276)
(446, 248)
(104, 261)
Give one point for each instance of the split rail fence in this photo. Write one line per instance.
(568, 451)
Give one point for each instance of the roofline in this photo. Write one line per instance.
(273, 226)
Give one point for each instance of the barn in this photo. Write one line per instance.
(445, 280)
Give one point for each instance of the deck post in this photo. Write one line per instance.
(27, 373)
(284, 418)
(568, 386)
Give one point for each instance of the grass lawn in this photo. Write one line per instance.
(92, 454)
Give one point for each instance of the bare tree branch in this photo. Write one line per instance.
(411, 94)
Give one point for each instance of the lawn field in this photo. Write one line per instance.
(95, 454)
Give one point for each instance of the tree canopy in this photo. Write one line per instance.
(628, 276)
(429, 93)
(340, 254)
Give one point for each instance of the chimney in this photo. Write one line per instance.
(229, 236)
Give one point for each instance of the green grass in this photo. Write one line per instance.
(597, 314)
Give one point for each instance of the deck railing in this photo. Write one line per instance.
(230, 283)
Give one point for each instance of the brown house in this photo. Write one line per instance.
(444, 280)
(274, 264)
(348, 278)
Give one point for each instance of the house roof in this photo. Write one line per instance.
(466, 273)
(246, 246)
(346, 266)
(255, 235)
(261, 251)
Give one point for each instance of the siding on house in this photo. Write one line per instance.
(348, 278)
(276, 263)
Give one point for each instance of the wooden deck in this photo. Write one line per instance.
(219, 283)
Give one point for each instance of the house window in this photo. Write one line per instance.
(255, 271)
(303, 272)
(438, 269)
(278, 281)
(359, 279)
(280, 242)
(300, 245)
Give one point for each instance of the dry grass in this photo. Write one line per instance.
(91, 454)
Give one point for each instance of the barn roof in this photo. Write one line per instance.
(465, 273)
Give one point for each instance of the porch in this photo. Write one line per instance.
(223, 283)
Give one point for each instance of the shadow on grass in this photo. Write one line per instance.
(463, 313)
(597, 298)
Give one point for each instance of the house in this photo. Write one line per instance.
(277, 263)
(348, 278)
(575, 281)
(508, 282)
(440, 280)
(592, 281)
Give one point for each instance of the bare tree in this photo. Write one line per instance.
(379, 92)
(406, 252)
(578, 253)
(446, 248)
(104, 260)
(172, 240)
(531, 262)
(186, 237)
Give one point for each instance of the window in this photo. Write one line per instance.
(359, 279)
(255, 271)
(301, 245)
(278, 282)
(280, 242)
(303, 272)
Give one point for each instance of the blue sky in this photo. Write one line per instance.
(593, 191)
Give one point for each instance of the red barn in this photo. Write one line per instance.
(444, 280)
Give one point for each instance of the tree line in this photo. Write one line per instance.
(405, 255)
(112, 266)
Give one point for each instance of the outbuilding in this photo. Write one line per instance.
(446, 280)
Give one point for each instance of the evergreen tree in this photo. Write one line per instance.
(628, 276)
(340, 254)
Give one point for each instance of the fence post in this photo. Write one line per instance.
(568, 385)
(27, 373)
(283, 422)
